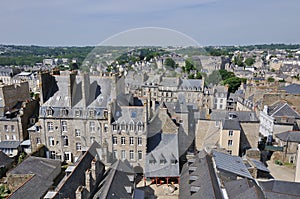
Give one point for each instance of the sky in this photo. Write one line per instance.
(207, 22)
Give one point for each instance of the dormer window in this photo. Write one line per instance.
(64, 112)
(140, 126)
(77, 113)
(115, 127)
(162, 159)
(131, 126)
(49, 112)
(123, 127)
(91, 113)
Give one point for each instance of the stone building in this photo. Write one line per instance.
(17, 112)
(76, 112)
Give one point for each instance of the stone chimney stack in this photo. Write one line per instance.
(85, 88)
(88, 180)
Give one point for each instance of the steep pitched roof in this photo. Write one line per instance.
(231, 124)
(162, 122)
(192, 177)
(236, 166)
(116, 181)
(4, 159)
(243, 188)
(282, 109)
(291, 136)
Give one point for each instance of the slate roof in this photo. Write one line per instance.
(128, 114)
(242, 116)
(69, 184)
(243, 188)
(259, 165)
(42, 170)
(169, 82)
(161, 122)
(162, 146)
(97, 93)
(9, 144)
(187, 84)
(229, 124)
(199, 172)
(292, 89)
(115, 181)
(282, 109)
(5, 160)
(277, 189)
(291, 136)
(231, 164)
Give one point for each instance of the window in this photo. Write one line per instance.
(217, 123)
(173, 161)
(91, 113)
(38, 140)
(77, 113)
(229, 151)
(140, 155)
(6, 137)
(64, 126)
(230, 133)
(115, 154)
(131, 140)
(68, 156)
(78, 146)
(123, 127)
(50, 126)
(140, 141)
(51, 141)
(92, 140)
(131, 126)
(140, 126)
(105, 128)
(12, 128)
(52, 154)
(115, 140)
(49, 112)
(77, 132)
(65, 141)
(115, 127)
(221, 100)
(162, 161)
(5, 128)
(64, 112)
(131, 154)
(230, 142)
(221, 106)
(13, 137)
(123, 139)
(123, 154)
(92, 126)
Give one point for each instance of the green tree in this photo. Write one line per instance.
(233, 83)
(170, 62)
(249, 61)
(226, 74)
(271, 79)
(189, 65)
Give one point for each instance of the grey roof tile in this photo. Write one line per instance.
(291, 136)
(231, 164)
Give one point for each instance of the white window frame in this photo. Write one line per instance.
(64, 126)
(115, 140)
(131, 154)
(131, 140)
(123, 140)
(140, 141)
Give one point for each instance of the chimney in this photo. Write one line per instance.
(79, 193)
(88, 180)
(85, 88)
(71, 84)
(266, 109)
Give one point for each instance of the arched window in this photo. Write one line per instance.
(131, 126)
